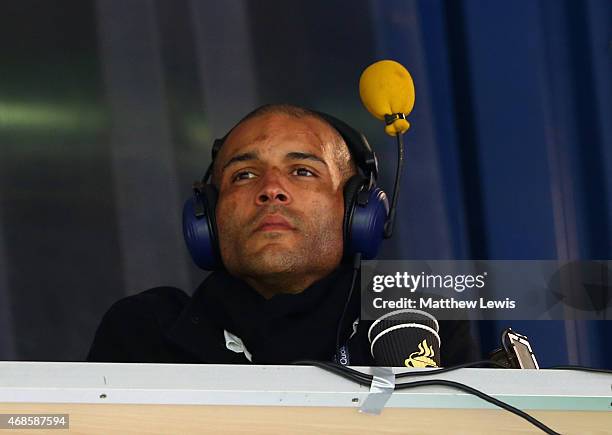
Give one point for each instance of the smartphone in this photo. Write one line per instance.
(520, 349)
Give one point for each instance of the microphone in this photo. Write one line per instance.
(387, 91)
(405, 338)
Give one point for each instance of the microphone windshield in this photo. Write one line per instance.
(405, 338)
(386, 88)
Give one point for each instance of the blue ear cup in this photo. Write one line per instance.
(200, 227)
(365, 214)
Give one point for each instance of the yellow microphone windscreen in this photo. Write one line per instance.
(386, 88)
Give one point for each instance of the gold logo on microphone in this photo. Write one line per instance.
(421, 358)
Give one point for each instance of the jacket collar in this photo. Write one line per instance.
(199, 329)
(194, 333)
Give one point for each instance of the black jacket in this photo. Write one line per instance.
(165, 325)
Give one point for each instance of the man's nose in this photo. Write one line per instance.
(273, 190)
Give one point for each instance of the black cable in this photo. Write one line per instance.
(366, 380)
(340, 370)
(580, 368)
(343, 371)
(356, 266)
(416, 373)
(504, 335)
(449, 369)
(398, 176)
(482, 396)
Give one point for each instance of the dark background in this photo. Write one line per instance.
(108, 110)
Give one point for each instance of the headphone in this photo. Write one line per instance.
(366, 207)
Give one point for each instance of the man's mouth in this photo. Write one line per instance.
(274, 223)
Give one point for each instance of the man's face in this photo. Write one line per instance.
(280, 207)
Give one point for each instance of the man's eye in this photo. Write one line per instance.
(303, 172)
(244, 175)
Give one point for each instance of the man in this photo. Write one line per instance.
(280, 176)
